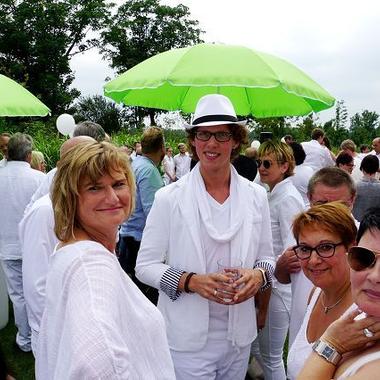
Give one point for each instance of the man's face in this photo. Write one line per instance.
(376, 145)
(182, 149)
(324, 194)
(4, 145)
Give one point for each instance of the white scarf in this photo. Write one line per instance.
(236, 208)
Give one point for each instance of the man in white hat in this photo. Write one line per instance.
(197, 230)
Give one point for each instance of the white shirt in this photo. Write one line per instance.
(182, 164)
(37, 238)
(169, 168)
(357, 174)
(18, 182)
(97, 324)
(300, 180)
(43, 189)
(317, 155)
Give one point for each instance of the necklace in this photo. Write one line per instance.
(326, 309)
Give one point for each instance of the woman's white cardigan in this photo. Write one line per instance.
(171, 239)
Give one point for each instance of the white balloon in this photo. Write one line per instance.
(65, 124)
(255, 144)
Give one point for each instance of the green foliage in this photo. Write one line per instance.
(364, 127)
(99, 110)
(38, 38)
(143, 28)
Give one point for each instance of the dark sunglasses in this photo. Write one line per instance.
(219, 136)
(266, 163)
(360, 258)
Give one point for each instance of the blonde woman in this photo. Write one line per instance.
(276, 167)
(38, 161)
(96, 322)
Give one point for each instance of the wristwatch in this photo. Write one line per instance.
(265, 277)
(327, 351)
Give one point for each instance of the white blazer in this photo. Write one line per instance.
(172, 239)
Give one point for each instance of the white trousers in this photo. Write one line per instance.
(218, 360)
(268, 346)
(13, 277)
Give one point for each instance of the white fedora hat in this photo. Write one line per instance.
(214, 109)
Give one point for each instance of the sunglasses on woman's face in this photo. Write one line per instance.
(266, 163)
(360, 258)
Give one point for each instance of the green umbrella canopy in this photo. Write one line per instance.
(257, 83)
(15, 100)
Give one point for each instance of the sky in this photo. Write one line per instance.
(336, 42)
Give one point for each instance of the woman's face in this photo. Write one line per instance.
(104, 204)
(169, 152)
(271, 171)
(366, 284)
(213, 154)
(325, 273)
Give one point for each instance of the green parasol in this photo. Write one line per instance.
(257, 83)
(15, 100)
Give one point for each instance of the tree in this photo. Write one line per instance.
(99, 110)
(143, 28)
(38, 38)
(341, 115)
(364, 126)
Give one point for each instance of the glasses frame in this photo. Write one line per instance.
(374, 254)
(316, 250)
(215, 134)
(266, 163)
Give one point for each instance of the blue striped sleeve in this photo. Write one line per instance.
(169, 283)
(268, 267)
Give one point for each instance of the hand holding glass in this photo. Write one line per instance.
(231, 268)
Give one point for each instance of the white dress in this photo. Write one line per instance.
(96, 323)
(358, 364)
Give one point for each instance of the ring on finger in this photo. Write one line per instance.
(215, 292)
(368, 333)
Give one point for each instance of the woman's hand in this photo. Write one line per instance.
(216, 287)
(347, 334)
(248, 284)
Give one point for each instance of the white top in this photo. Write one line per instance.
(301, 348)
(97, 324)
(214, 251)
(18, 182)
(3, 162)
(357, 174)
(43, 189)
(285, 202)
(169, 167)
(37, 238)
(171, 239)
(300, 180)
(301, 287)
(317, 155)
(182, 164)
(362, 361)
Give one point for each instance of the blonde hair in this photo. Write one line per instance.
(85, 159)
(37, 159)
(334, 217)
(283, 153)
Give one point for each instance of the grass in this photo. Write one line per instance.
(20, 364)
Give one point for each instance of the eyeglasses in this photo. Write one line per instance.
(219, 136)
(360, 258)
(324, 250)
(266, 163)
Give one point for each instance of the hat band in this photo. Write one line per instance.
(208, 118)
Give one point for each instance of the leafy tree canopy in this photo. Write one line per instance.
(143, 28)
(38, 38)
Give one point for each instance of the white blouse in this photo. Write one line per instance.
(97, 324)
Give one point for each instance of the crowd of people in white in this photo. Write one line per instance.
(285, 236)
